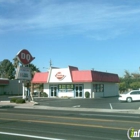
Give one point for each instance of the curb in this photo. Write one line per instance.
(80, 109)
(32, 105)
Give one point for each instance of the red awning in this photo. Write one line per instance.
(81, 76)
(40, 77)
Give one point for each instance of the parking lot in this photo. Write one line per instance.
(102, 103)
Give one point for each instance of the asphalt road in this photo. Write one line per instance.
(99, 103)
(45, 124)
(102, 103)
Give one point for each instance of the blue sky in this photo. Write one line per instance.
(99, 34)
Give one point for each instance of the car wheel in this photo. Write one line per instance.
(129, 99)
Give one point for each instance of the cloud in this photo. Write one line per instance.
(72, 17)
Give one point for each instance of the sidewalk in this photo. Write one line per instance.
(34, 105)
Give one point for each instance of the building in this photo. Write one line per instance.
(10, 87)
(71, 82)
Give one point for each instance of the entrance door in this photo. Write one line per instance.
(79, 90)
(53, 91)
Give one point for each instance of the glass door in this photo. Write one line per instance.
(79, 90)
(53, 91)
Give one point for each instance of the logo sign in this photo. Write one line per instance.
(23, 73)
(25, 57)
(132, 133)
(60, 76)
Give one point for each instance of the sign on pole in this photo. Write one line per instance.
(25, 57)
(23, 73)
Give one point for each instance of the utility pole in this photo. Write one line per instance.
(50, 63)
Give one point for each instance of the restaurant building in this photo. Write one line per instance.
(71, 82)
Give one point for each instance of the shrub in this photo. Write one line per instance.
(17, 100)
(44, 94)
(20, 101)
(13, 100)
(87, 94)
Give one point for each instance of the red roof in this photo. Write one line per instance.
(81, 76)
(104, 77)
(4, 82)
(40, 77)
(94, 76)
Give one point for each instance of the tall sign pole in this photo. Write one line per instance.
(23, 73)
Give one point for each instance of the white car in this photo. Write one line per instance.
(133, 95)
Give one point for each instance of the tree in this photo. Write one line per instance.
(127, 79)
(136, 77)
(16, 62)
(33, 69)
(135, 85)
(7, 69)
(122, 87)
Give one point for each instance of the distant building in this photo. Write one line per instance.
(71, 82)
(10, 87)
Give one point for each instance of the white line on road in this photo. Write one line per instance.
(77, 106)
(86, 136)
(29, 136)
(111, 106)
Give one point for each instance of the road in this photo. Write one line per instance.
(28, 124)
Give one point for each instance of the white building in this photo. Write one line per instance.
(71, 82)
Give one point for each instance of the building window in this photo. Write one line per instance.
(98, 87)
(66, 88)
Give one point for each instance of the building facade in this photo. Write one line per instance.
(10, 87)
(71, 82)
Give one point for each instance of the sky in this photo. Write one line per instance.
(103, 35)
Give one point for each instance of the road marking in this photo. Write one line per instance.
(76, 135)
(69, 124)
(77, 106)
(119, 116)
(29, 136)
(76, 118)
(110, 106)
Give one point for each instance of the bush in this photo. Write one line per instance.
(87, 94)
(13, 100)
(20, 101)
(43, 94)
(17, 100)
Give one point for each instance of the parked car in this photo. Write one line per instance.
(133, 95)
